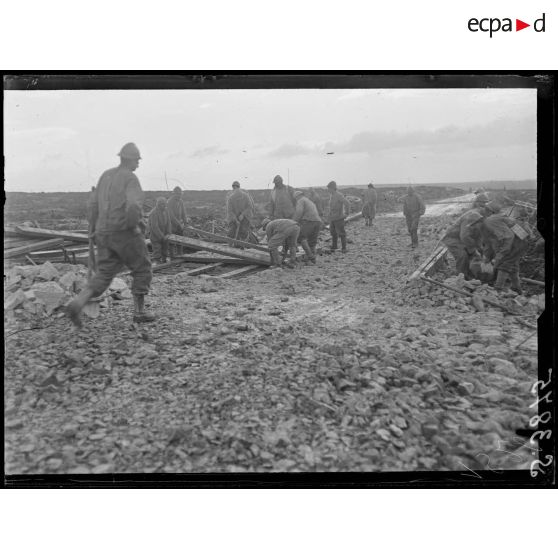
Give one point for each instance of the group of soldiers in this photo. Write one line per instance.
(294, 217)
(485, 234)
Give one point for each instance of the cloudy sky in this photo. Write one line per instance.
(63, 140)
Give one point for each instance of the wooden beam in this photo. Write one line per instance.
(32, 232)
(428, 264)
(31, 247)
(227, 240)
(202, 269)
(252, 256)
(532, 281)
(237, 272)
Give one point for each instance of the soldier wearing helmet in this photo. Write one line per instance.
(504, 245)
(240, 209)
(115, 218)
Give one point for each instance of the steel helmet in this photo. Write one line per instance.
(298, 194)
(266, 222)
(129, 151)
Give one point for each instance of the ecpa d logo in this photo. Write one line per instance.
(492, 25)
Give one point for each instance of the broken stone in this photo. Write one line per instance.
(503, 367)
(48, 272)
(51, 294)
(67, 280)
(118, 284)
(14, 300)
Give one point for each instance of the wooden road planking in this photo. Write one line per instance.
(254, 257)
(31, 247)
(227, 240)
(237, 272)
(32, 232)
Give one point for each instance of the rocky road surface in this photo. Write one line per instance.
(334, 367)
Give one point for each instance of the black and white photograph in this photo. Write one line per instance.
(268, 274)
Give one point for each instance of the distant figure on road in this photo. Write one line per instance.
(116, 213)
(282, 202)
(463, 239)
(306, 215)
(413, 208)
(337, 211)
(281, 232)
(159, 229)
(369, 200)
(178, 218)
(240, 209)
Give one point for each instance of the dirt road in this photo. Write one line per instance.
(333, 367)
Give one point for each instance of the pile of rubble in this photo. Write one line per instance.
(39, 290)
(428, 295)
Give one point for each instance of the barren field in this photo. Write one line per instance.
(341, 366)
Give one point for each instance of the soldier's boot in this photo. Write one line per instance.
(308, 251)
(275, 259)
(501, 279)
(140, 315)
(344, 244)
(516, 283)
(74, 308)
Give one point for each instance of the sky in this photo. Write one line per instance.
(57, 141)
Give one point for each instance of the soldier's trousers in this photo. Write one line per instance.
(117, 250)
(412, 227)
(460, 255)
(337, 229)
(160, 249)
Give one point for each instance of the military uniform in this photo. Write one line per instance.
(115, 210)
(413, 208)
(369, 205)
(159, 228)
(338, 209)
(282, 232)
(306, 214)
(240, 209)
(463, 238)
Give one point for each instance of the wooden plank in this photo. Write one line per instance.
(31, 247)
(74, 250)
(225, 239)
(32, 232)
(247, 255)
(428, 263)
(202, 269)
(237, 272)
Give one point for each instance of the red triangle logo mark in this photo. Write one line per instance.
(519, 25)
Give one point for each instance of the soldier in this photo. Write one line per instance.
(313, 196)
(413, 208)
(282, 202)
(281, 232)
(369, 208)
(463, 239)
(505, 241)
(306, 215)
(240, 209)
(178, 218)
(338, 210)
(115, 212)
(159, 229)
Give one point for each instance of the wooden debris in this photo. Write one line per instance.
(237, 272)
(532, 281)
(429, 264)
(31, 247)
(32, 232)
(225, 239)
(247, 255)
(202, 269)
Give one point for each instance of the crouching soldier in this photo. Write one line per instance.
(306, 214)
(159, 229)
(506, 242)
(281, 232)
(115, 211)
(463, 239)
